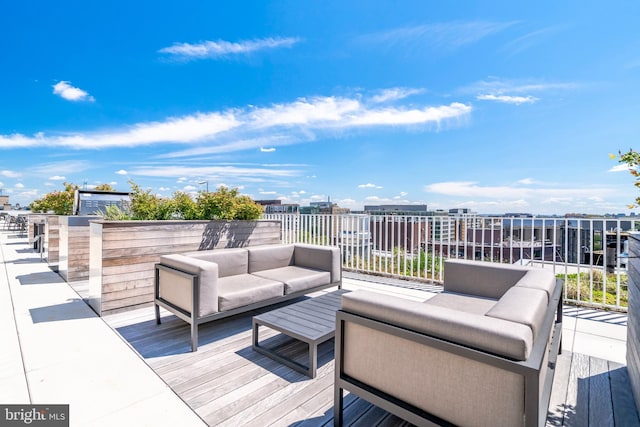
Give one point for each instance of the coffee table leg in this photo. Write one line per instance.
(313, 359)
(255, 334)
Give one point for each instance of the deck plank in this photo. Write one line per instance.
(227, 383)
(624, 411)
(600, 406)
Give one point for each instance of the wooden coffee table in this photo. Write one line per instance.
(312, 321)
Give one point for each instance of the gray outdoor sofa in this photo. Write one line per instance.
(481, 353)
(224, 282)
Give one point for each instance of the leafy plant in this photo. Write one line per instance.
(632, 159)
(114, 213)
(58, 202)
(227, 204)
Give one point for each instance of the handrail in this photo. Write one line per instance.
(587, 253)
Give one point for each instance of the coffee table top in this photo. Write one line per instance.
(312, 320)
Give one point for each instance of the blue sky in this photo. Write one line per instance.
(496, 106)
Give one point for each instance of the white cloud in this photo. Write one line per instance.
(122, 172)
(10, 174)
(213, 172)
(19, 185)
(249, 128)
(71, 93)
(507, 195)
(620, 168)
(369, 185)
(517, 100)
(526, 181)
(394, 94)
(57, 178)
(501, 86)
(268, 193)
(267, 150)
(376, 199)
(443, 36)
(531, 39)
(222, 48)
(397, 117)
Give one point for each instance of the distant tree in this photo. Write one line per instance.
(104, 187)
(227, 204)
(632, 159)
(58, 202)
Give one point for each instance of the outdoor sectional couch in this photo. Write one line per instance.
(481, 353)
(202, 286)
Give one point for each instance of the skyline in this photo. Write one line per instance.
(499, 108)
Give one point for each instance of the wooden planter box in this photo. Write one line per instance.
(73, 260)
(52, 241)
(633, 316)
(122, 254)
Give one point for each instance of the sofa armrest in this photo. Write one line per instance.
(481, 278)
(325, 258)
(175, 283)
(493, 335)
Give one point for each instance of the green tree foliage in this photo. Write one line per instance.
(227, 204)
(184, 206)
(58, 202)
(632, 159)
(223, 204)
(104, 187)
(144, 205)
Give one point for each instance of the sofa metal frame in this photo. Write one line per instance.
(194, 320)
(535, 407)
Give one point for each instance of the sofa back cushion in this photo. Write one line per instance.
(325, 258)
(540, 279)
(506, 338)
(522, 305)
(230, 261)
(481, 278)
(268, 257)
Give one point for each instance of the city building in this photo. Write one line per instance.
(396, 210)
(276, 207)
(4, 203)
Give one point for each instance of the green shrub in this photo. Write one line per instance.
(58, 202)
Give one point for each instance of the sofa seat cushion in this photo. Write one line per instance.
(463, 302)
(244, 289)
(522, 305)
(296, 278)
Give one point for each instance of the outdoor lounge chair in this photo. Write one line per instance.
(481, 353)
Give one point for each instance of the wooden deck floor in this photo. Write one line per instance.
(228, 384)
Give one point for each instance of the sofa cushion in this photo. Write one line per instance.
(178, 288)
(244, 289)
(463, 302)
(296, 278)
(540, 279)
(482, 278)
(268, 257)
(522, 305)
(230, 261)
(498, 336)
(325, 258)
